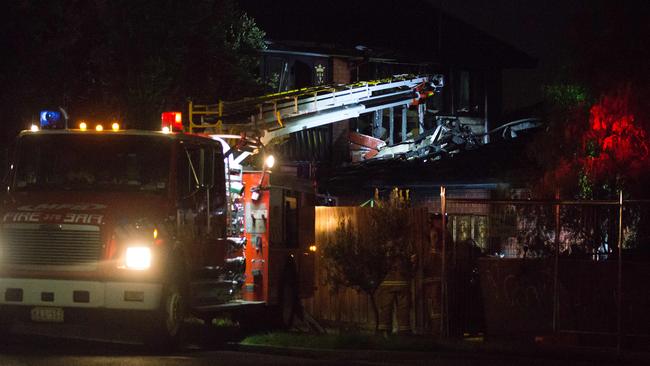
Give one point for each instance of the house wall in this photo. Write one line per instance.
(341, 73)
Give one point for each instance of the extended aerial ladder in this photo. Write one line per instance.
(274, 115)
(258, 121)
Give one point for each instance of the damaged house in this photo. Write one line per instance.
(306, 47)
(354, 105)
(458, 137)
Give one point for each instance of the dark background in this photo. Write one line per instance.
(542, 29)
(89, 55)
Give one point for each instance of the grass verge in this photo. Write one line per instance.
(342, 341)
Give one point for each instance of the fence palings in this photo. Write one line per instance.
(347, 307)
(568, 278)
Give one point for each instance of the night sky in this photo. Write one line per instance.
(538, 28)
(542, 29)
(546, 30)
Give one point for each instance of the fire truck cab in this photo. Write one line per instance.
(144, 226)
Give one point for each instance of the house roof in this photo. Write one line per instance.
(404, 30)
(334, 50)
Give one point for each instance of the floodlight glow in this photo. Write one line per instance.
(83, 126)
(115, 126)
(33, 128)
(99, 128)
(269, 161)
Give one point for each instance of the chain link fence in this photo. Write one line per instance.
(556, 269)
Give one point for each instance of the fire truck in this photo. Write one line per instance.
(107, 225)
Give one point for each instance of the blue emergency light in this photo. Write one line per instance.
(51, 120)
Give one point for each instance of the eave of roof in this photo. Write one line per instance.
(406, 30)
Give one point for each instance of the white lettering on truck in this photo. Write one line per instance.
(62, 206)
(68, 218)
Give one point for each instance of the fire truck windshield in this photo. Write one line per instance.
(92, 162)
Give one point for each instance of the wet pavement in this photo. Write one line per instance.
(216, 346)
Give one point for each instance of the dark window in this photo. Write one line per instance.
(218, 190)
(190, 172)
(463, 93)
(104, 162)
(276, 74)
(470, 93)
(302, 75)
(201, 184)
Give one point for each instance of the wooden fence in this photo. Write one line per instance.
(350, 309)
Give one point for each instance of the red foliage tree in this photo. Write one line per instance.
(615, 147)
(597, 115)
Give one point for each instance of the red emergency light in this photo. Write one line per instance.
(172, 121)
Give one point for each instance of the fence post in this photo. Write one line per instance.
(619, 340)
(444, 328)
(556, 300)
(420, 218)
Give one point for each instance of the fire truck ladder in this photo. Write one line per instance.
(274, 115)
(261, 119)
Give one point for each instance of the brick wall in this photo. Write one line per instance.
(340, 146)
(340, 71)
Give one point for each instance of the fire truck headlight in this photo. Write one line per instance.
(138, 257)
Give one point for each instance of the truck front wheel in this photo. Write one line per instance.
(166, 331)
(172, 311)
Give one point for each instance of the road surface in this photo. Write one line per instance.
(214, 349)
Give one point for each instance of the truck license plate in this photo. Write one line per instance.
(49, 315)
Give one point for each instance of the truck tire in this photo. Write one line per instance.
(167, 331)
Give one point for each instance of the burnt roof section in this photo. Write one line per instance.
(404, 30)
(503, 161)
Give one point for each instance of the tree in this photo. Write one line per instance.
(356, 261)
(598, 121)
(127, 60)
(361, 257)
(596, 114)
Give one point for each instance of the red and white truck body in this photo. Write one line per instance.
(137, 222)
